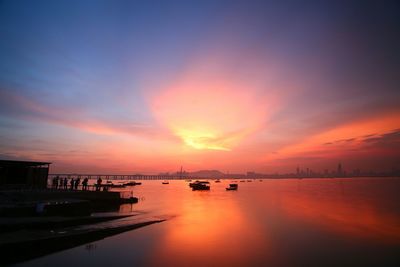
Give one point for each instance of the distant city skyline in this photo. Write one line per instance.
(305, 172)
(129, 86)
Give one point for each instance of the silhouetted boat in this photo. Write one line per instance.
(110, 184)
(242, 181)
(200, 185)
(132, 183)
(165, 182)
(218, 181)
(232, 187)
(193, 183)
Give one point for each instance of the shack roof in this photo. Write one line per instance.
(15, 163)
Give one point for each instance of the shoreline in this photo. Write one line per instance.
(58, 240)
(35, 223)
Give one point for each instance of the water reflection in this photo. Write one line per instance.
(342, 206)
(316, 222)
(342, 213)
(268, 222)
(210, 230)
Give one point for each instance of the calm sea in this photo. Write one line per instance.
(288, 222)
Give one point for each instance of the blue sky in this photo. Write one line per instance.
(89, 76)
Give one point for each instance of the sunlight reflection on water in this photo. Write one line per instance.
(308, 222)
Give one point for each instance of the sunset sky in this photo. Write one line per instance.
(147, 86)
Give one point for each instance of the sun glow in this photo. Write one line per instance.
(202, 140)
(209, 115)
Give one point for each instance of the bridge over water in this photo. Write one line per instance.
(128, 177)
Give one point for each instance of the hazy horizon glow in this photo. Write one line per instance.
(135, 87)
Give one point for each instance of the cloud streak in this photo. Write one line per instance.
(17, 105)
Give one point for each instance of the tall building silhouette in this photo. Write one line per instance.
(339, 169)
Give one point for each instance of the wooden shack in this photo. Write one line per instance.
(23, 174)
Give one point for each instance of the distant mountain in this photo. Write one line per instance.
(207, 174)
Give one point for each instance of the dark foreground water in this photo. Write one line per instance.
(308, 222)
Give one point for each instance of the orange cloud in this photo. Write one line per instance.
(345, 137)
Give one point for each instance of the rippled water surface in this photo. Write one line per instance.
(288, 222)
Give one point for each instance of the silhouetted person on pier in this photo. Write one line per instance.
(98, 185)
(72, 182)
(77, 182)
(65, 183)
(56, 182)
(85, 183)
(53, 182)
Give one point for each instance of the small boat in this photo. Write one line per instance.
(133, 183)
(118, 186)
(200, 185)
(165, 182)
(218, 181)
(249, 181)
(110, 184)
(193, 183)
(242, 181)
(232, 187)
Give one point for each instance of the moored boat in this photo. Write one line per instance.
(200, 185)
(193, 183)
(110, 184)
(232, 187)
(132, 183)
